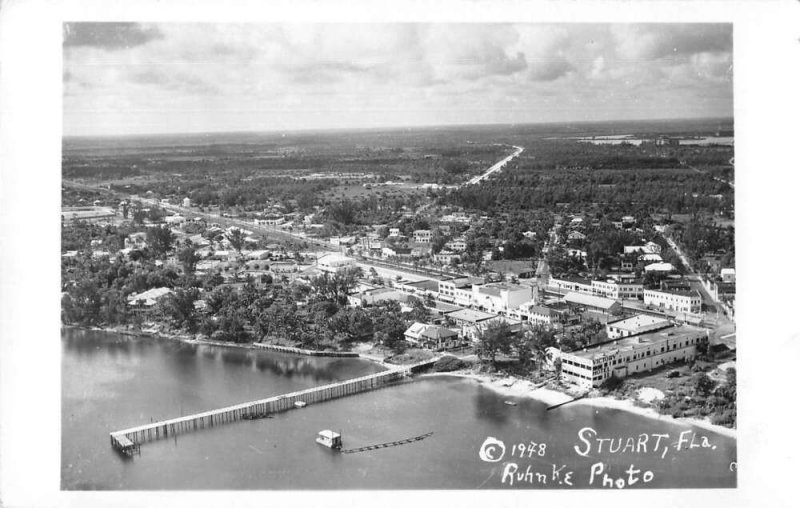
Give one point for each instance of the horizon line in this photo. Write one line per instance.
(384, 128)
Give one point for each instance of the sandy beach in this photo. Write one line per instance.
(512, 387)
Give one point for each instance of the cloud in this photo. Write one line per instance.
(109, 36)
(651, 42)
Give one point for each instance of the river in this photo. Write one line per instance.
(111, 382)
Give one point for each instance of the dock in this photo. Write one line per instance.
(388, 445)
(130, 439)
(306, 352)
(579, 397)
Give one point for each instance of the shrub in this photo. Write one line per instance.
(448, 364)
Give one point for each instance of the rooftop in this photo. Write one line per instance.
(589, 300)
(638, 321)
(471, 315)
(678, 332)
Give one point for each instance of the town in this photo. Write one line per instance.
(622, 282)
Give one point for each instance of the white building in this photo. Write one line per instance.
(728, 275)
(659, 267)
(501, 297)
(175, 219)
(535, 314)
(638, 324)
(458, 291)
(591, 367)
(457, 245)
(333, 263)
(446, 257)
(187, 202)
(422, 236)
(674, 300)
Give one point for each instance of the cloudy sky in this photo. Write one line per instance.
(125, 78)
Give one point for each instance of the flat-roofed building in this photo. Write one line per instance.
(501, 297)
(635, 325)
(590, 367)
(333, 263)
(594, 303)
(536, 314)
(674, 300)
(458, 290)
(422, 236)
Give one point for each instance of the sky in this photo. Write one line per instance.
(131, 78)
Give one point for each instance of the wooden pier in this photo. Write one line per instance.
(388, 445)
(130, 439)
(556, 406)
(306, 352)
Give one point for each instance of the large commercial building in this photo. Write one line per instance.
(638, 324)
(501, 297)
(591, 367)
(675, 300)
(614, 289)
(459, 290)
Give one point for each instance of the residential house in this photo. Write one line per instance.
(432, 336)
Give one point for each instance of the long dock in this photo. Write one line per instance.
(388, 445)
(129, 439)
(306, 352)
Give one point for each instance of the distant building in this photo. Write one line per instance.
(536, 314)
(422, 236)
(728, 274)
(175, 219)
(457, 245)
(648, 248)
(148, 298)
(642, 353)
(674, 300)
(659, 267)
(187, 202)
(446, 257)
(333, 263)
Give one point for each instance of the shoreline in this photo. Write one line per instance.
(512, 387)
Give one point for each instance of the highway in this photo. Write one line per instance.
(497, 167)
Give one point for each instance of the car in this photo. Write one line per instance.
(674, 374)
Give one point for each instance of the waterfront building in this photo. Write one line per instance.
(432, 336)
(590, 367)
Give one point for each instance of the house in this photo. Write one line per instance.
(394, 231)
(594, 303)
(136, 241)
(651, 258)
(576, 236)
(175, 219)
(674, 300)
(375, 296)
(187, 202)
(728, 274)
(648, 248)
(590, 367)
(659, 267)
(422, 236)
(500, 297)
(389, 252)
(473, 322)
(536, 314)
(446, 257)
(456, 245)
(529, 235)
(148, 298)
(432, 336)
(636, 325)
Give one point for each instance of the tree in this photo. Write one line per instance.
(179, 307)
(703, 384)
(495, 338)
(188, 259)
(236, 237)
(160, 239)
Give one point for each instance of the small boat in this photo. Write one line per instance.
(510, 402)
(300, 404)
(330, 439)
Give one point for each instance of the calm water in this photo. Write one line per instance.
(111, 382)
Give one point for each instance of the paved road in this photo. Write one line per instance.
(497, 167)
